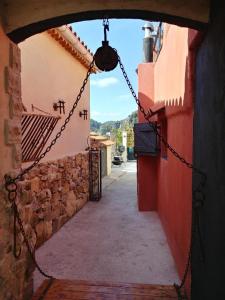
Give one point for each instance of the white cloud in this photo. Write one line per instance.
(104, 82)
(95, 113)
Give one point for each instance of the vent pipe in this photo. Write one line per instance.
(148, 42)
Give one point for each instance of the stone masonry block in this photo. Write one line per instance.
(35, 184)
(12, 132)
(26, 197)
(12, 82)
(15, 106)
(14, 57)
(53, 193)
(17, 156)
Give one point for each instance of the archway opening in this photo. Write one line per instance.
(173, 104)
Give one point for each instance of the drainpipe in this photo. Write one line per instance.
(148, 42)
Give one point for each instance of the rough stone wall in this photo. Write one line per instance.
(51, 194)
(15, 275)
(13, 89)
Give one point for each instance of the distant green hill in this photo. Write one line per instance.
(95, 125)
(109, 126)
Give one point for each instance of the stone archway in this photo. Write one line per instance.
(27, 23)
(24, 18)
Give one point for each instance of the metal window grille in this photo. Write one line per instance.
(36, 130)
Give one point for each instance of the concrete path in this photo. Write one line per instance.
(110, 240)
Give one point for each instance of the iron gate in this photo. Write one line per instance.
(95, 178)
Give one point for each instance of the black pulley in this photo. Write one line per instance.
(106, 58)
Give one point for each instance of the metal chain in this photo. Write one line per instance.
(198, 195)
(11, 186)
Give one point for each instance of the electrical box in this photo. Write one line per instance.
(146, 141)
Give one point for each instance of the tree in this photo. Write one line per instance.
(116, 127)
(130, 137)
(119, 138)
(95, 125)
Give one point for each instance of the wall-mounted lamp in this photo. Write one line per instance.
(83, 114)
(59, 105)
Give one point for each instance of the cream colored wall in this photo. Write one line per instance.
(109, 159)
(50, 73)
(175, 49)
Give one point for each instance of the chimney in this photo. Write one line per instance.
(148, 42)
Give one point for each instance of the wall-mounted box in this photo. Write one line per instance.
(146, 141)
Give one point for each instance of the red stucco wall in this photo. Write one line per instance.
(165, 185)
(146, 165)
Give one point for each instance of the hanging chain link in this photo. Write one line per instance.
(11, 186)
(198, 194)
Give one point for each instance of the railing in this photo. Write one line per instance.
(36, 130)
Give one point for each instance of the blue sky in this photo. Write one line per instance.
(110, 97)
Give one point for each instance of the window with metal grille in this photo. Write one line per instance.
(36, 130)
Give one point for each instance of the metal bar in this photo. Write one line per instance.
(26, 120)
(42, 143)
(29, 138)
(27, 134)
(44, 127)
(46, 137)
(40, 134)
(38, 131)
(91, 175)
(97, 177)
(32, 133)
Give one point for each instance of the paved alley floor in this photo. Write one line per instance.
(110, 240)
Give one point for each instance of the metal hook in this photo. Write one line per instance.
(106, 28)
(105, 21)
